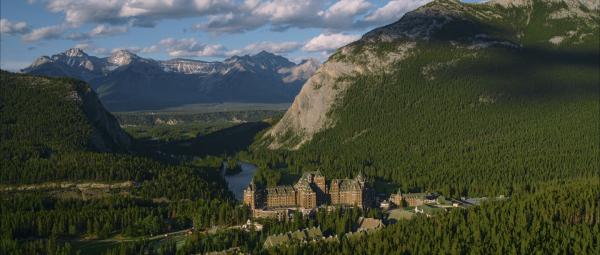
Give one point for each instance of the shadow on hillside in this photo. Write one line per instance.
(536, 70)
(536, 73)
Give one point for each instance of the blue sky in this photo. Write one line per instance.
(196, 29)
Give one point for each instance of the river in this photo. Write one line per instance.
(237, 183)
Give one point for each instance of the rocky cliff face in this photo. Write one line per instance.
(447, 22)
(308, 113)
(107, 135)
(301, 72)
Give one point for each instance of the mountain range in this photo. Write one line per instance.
(125, 81)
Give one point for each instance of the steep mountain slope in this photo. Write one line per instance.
(455, 96)
(56, 114)
(125, 81)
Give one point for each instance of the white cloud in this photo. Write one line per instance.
(91, 47)
(138, 12)
(101, 51)
(113, 17)
(283, 14)
(13, 28)
(342, 13)
(136, 50)
(348, 8)
(189, 47)
(85, 46)
(281, 11)
(252, 14)
(150, 49)
(273, 47)
(104, 30)
(279, 14)
(329, 42)
(231, 16)
(230, 23)
(393, 11)
(44, 33)
(98, 31)
(78, 12)
(76, 36)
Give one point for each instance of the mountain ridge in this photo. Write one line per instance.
(125, 81)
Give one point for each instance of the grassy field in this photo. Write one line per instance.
(400, 214)
(185, 123)
(177, 132)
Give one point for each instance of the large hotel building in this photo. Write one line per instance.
(310, 192)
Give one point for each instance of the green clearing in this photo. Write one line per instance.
(400, 214)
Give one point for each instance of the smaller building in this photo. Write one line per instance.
(249, 226)
(413, 199)
(279, 214)
(300, 236)
(384, 205)
(396, 199)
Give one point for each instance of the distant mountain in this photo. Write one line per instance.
(125, 81)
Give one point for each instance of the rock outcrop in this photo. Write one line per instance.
(308, 113)
(107, 135)
(301, 72)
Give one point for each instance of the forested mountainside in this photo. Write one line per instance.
(64, 179)
(44, 116)
(125, 81)
(455, 97)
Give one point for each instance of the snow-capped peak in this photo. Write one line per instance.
(122, 57)
(75, 52)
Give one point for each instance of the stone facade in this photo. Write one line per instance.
(282, 196)
(251, 196)
(350, 192)
(309, 192)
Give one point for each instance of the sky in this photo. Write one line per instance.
(195, 29)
